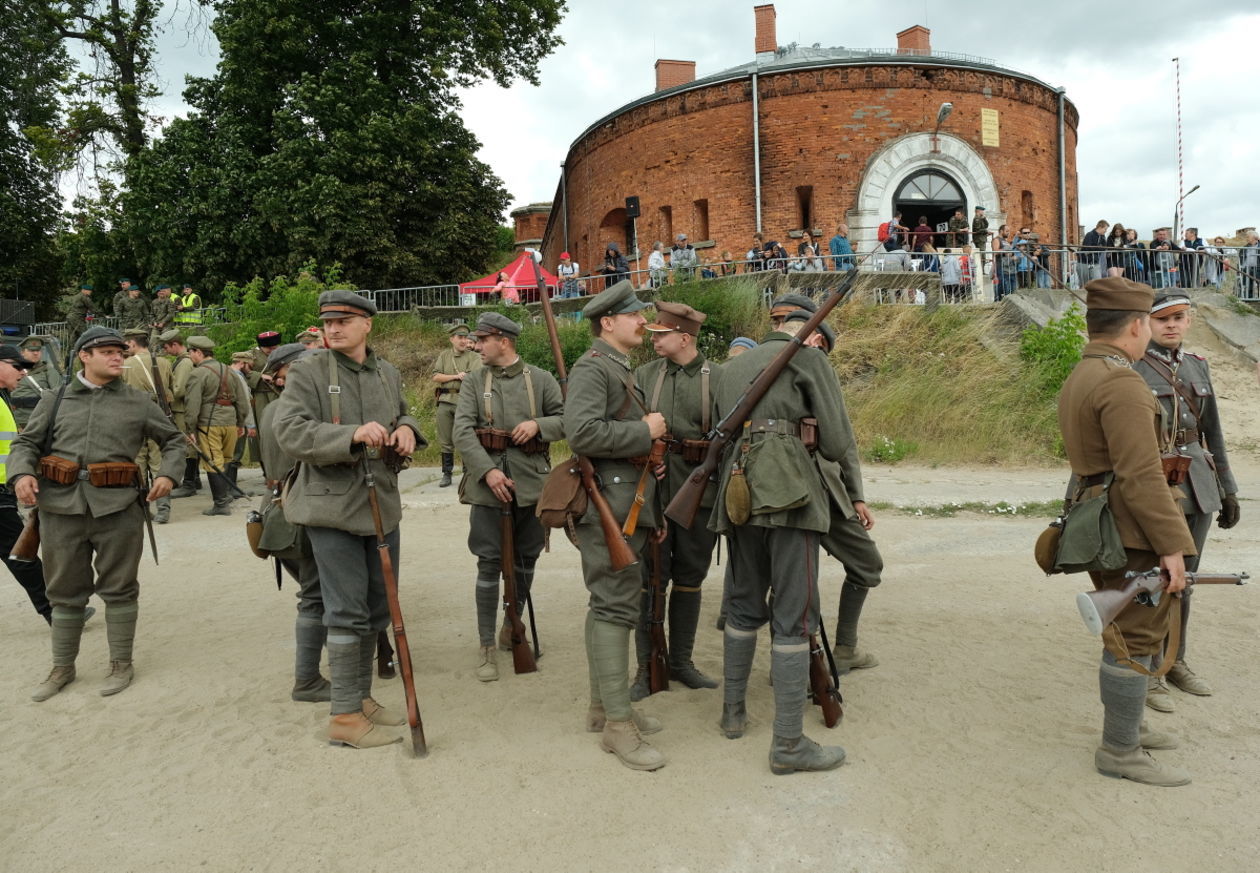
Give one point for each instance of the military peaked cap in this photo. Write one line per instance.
(677, 316)
(617, 300)
(94, 337)
(1118, 293)
(341, 302)
(496, 324)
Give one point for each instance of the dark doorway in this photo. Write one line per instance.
(933, 195)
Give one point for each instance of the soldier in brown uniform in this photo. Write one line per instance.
(181, 369)
(449, 370)
(91, 523)
(334, 434)
(217, 410)
(138, 373)
(606, 420)
(504, 425)
(1110, 425)
(680, 384)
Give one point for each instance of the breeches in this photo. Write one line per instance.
(614, 594)
(351, 580)
(685, 556)
(849, 543)
(71, 544)
(218, 442)
(446, 427)
(782, 560)
(484, 540)
(1142, 627)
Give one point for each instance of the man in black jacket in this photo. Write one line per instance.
(1089, 261)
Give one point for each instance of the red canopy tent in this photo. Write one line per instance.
(520, 275)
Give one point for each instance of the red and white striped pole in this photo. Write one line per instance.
(1180, 217)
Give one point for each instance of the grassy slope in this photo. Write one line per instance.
(937, 388)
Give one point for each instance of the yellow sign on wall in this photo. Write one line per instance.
(989, 133)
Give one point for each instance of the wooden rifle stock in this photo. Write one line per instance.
(682, 509)
(824, 692)
(1099, 608)
(522, 655)
(619, 552)
(658, 659)
(403, 652)
(26, 549)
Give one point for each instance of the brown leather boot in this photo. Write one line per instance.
(58, 679)
(596, 718)
(378, 714)
(353, 729)
(623, 740)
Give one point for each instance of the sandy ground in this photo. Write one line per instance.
(970, 746)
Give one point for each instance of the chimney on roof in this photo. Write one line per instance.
(671, 73)
(915, 40)
(766, 40)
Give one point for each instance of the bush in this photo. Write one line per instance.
(283, 304)
(1052, 351)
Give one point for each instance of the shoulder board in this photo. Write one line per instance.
(1193, 355)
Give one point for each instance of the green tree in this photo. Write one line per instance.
(31, 65)
(331, 132)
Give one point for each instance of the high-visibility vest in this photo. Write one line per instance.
(192, 303)
(8, 433)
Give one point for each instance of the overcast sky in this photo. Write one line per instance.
(1115, 60)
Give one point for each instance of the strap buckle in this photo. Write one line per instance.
(334, 389)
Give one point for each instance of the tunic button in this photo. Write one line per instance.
(616, 479)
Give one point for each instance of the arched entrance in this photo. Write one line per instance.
(907, 158)
(931, 195)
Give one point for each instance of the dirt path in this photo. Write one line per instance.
(970, 746)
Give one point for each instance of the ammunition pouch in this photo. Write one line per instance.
(387, 455)
(59, 470)
(497, 441)
(113, 474)
(692, 451)
(1176, 467)
(806, 430)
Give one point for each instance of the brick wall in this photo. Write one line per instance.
(819, 128)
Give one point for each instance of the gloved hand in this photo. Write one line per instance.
(1229, 513)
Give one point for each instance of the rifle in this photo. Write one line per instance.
(522, 655)
(26, 549)
(823, 691)
(1099, 608)
(403, 652)
(658, 659)
(682, 509)
(619, 552)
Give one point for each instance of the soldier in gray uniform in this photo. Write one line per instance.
(40, 377)
(449, 370)
(1182, 383)
(309, 632)
(138, 373)
(133, 311)
(89, 519)
(606, 420)
(848, 538)
(504, 425)
(774, 549)
(680, 384)
(82, 312)
(333, 434)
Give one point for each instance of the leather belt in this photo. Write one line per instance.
(1091, 480)
(775, 425)
(1186, 436)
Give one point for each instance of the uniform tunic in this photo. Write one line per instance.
(138, 373)
(449, 363)
(278, 466)
(133, 312)
(603, 421)
(681, 398)
(162, 312)
(510, 404)
(329, 493)
(214, 424)
(1110, 423)
(93, 425)
(181, 369)
(777, 548)
(35, 383)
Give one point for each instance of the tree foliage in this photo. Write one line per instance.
(331, 132)
(31, 65)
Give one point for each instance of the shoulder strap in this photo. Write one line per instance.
(486, 397)
(705, 407)
(334, 388)
(1175, 381)
(529, 392)
(52, 418)
(654, 405)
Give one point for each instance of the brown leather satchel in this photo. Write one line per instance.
(562, 502)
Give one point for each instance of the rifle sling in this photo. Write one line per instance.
(1113, 641)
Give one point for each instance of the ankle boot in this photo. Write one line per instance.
(314, 690)
(790, 750)
(120, 632)
(355, 730)
(802, 753)
(378, 714)
(684, 616)
(191, 482)
(1138, 765)
(596, 718)
(623, 740)
(120, 675)
(58, 679)
(448, 464)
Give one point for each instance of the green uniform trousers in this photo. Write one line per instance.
(614, 594)
(850, 544)
(778, 560)
(73, 543)
(446, 427)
